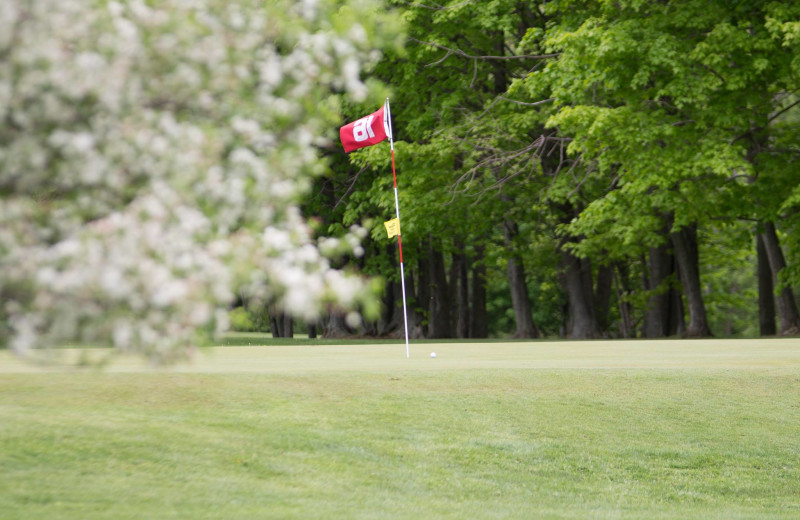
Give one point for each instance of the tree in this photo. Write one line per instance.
(590, 155)
(152, 158)
(458, 62)
(676, 104)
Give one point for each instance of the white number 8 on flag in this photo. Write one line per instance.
(362, 130)
(361, 133)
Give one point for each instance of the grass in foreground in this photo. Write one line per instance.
(450, 444)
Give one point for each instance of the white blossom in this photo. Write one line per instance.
(151, 159)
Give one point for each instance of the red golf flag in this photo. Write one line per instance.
(367, 131)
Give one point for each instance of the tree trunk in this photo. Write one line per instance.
(677, 322)
(656, 317)
(518, 286)
(766, 291)
(582, 321)
(336, 327)
(602, 297)
(479, 319)
(288, 327)
(684, 242)
(439, 309)
(625, 310)
(787, 306)
(392, 323)
(392, 317)
(519, 299)
(461, 283)
(274, 326)
(423, 294)
(281, 325)
(413, 311)
(786, 303)
(278, 322)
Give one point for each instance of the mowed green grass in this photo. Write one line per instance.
(518, 430)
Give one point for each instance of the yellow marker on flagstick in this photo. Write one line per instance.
(392, 227)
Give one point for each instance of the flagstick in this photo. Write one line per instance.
(388, 116)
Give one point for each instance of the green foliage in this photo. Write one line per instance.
(679, 109)
(240, 320)
(728, 263)
(451, 127)
(639, 113)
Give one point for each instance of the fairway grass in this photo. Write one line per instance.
(604, 430)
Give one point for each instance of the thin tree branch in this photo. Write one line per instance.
(474, 73)
(535, 103)
(589, 170)
(438, 7)
(783, 110)
(463, 54)
(349, 189)
(431, 64)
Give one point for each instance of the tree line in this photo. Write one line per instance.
(583, 169)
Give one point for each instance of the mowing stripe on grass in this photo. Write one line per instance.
(777, 353)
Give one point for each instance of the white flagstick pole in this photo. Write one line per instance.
(387, 123)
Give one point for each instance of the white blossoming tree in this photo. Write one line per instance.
(152, 158)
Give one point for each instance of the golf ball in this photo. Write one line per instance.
(433, 354)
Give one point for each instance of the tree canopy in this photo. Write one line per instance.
(626, 143)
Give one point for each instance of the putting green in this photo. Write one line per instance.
(774, 353)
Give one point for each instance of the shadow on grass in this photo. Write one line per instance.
(256, 339)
